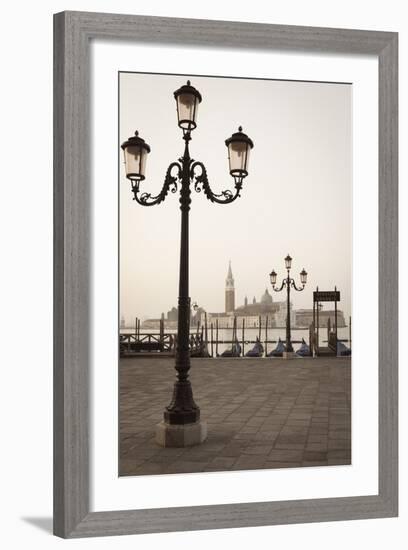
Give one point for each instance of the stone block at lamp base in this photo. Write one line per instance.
(183, 435)
(288, 355)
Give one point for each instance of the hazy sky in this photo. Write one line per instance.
(297, 198)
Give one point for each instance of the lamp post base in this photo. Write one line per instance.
(288, 354)
(181, 435)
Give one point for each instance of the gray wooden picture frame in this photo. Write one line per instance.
(72, 34)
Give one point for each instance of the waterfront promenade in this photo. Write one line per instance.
(261, 413)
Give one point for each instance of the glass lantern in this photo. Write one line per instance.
(288, 262)
(135, 151)
(303, 277)
(239, 146)
(187, 100)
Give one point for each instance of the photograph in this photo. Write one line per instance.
(235, 289)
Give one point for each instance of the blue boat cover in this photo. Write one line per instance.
(278, 351)
(304, 350)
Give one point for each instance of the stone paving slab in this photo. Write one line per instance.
(261, 413)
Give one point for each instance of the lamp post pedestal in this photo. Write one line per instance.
(288, 355)
(181, 435)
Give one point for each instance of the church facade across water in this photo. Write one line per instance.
(262, 310)
(252, 311)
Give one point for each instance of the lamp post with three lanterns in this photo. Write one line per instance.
(181, 425)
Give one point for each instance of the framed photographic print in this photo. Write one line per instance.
(225, 215)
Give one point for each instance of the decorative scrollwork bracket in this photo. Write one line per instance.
(293, 283)
(170, 184)
(288, 282)
(201, 183)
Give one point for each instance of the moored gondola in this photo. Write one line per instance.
(201, 352)
(278, 351)
(343, 350)
(304, 350)
(256, 351)
(234, 351)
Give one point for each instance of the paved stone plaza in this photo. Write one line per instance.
(261, 413)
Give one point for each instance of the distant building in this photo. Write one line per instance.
(151, 324)
(169, 321)
(266, 308)
(251, 313)
(304, 318)
(172, 315)
(229, 292)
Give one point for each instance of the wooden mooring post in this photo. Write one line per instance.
(335, 318)
(206, 333)
(243, 337)
(234, 339)
(266, 337)
(212, 340)
(161, 334)
(216, 336)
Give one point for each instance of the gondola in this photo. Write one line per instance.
(304, 350)
(278, 351)
(256, 351)
(202, 352)
(234, 351)
(343, 350)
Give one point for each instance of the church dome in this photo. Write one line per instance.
(266, 298)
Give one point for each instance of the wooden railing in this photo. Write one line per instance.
(134, 344)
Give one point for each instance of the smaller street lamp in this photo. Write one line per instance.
(288, 282)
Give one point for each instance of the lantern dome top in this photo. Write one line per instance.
(188, 89)
(136, 141)
(240, 136)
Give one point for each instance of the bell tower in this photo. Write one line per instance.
(229, 291)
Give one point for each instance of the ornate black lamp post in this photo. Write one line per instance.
(183, 412)
(288, 282)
